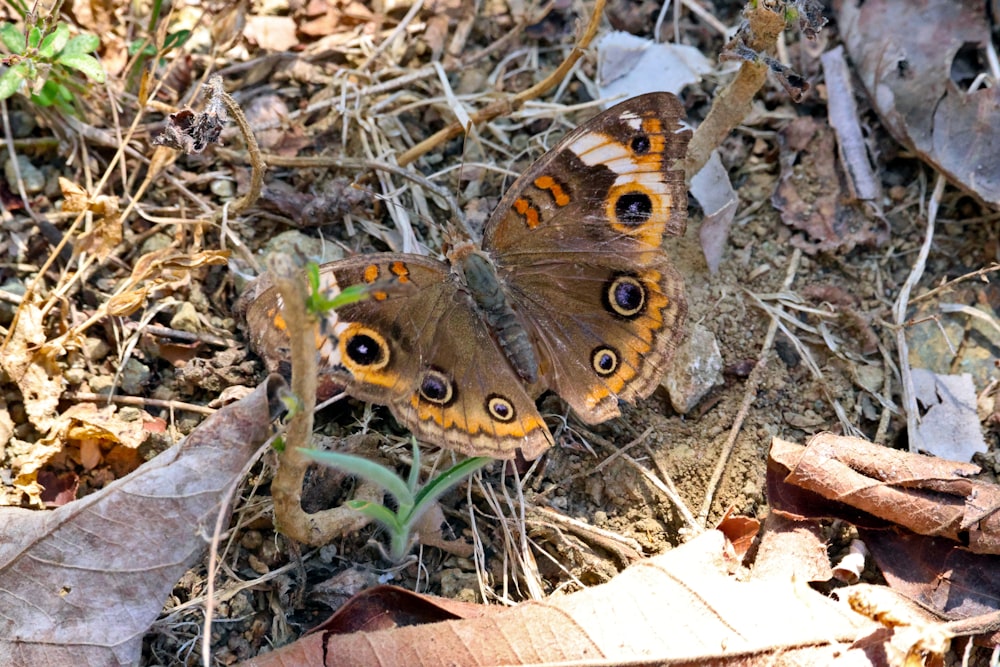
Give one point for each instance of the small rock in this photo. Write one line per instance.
(155, 242)
(223, 189)
(459, 585)
(75, 376)
(697, 367)
(95, 349)
(252, 539)
(101, 384)
(186, 319)
(34, 179)
(7, 309)
(134, 376)
(310, 249)
(22, 123)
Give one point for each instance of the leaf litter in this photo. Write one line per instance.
(357, 95)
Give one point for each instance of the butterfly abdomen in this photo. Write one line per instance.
(484, 285)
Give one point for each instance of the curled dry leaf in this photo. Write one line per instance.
(106, 232)
(849, 476)
(164, 269)
(950, 566)
(683, 605)
(81, 585)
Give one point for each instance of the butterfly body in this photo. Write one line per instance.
(570, 291)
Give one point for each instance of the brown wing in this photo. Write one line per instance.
(577, 240)
(418, 346)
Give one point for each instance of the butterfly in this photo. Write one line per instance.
(569, 291)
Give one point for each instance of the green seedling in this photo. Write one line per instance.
(44, 61)
(318, 303)
(411, 502)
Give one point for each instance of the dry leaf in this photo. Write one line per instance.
(809, 193)
(949, 427)
(81, 585)
(275, 33)
(871, 485)
(106, 232)
(905, 54)
(30, 361)
(682, 606)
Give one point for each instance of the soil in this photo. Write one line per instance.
(852, 288)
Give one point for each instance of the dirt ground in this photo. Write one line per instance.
(275, 590)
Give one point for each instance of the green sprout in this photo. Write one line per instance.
(145, 50)
(411, 502)
(44, 60)
(317, 301)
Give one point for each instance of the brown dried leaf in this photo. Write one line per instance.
(681, 606)
(98, 570)
(809, 193)
(930, 496)
(907, 55)
(107, 231)
(30, 361)
(938, 573)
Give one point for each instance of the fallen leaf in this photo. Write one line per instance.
(905, 54)
(875, 486)
(81, 584)
(684, 606)
(949, 427)
(628, 65)
(809, 193)
(30, 361)
(275, 33)
(106, 232)
(938, 573)
(715, 193)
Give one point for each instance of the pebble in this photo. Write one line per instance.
(22, 123)
(696, 369)
(297, 244)
(223, 189)
(95, 349)
(8, 309)
(34, 179)
(135, 375)
(155, 242)
(186, 319)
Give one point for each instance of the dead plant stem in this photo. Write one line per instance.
(509, 104)
(899, 319)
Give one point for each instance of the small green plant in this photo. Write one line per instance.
(411, 502)
(44, 60)
(318, 303)
(145, 50)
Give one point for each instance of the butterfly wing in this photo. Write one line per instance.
(418, 346)
(577, 241)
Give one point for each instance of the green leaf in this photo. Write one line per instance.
(54, 42)
(143, 46)
(13, 39)
(34, 37)
(82, 43)
(176, 39)
(47, 95)
(12, 78)
(370, 471)
(63, 93)
(81, 62)
(439, 485)
(380, 513)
